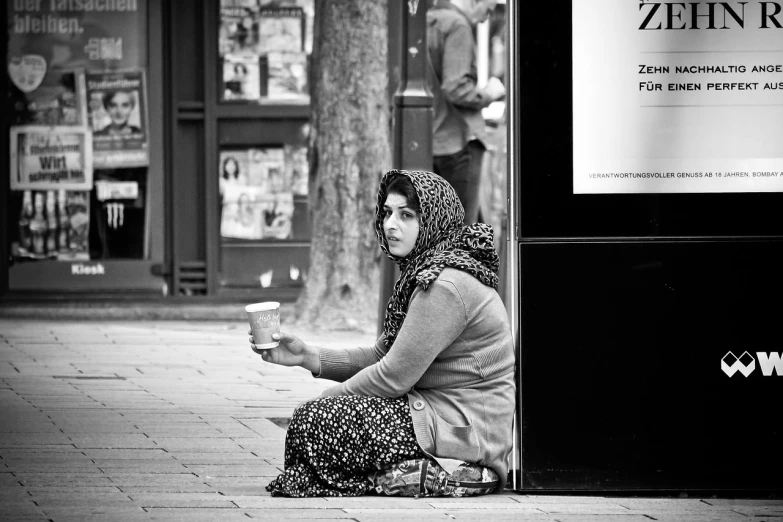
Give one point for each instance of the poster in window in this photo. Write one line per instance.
(118, 118)
(287, 79)
(50, 158)
(241, 77)
(685, 98)
(280, 29)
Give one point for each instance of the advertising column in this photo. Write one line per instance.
(691, 101)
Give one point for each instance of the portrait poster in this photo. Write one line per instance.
(297, 169)
(233, 168)
(280, 29)
(117, 109)
(677, 97)
(266, 169)
(241, 77)
(50, 158)
(287, 78)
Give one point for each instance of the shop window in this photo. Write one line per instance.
(264, 49)
(79, 137)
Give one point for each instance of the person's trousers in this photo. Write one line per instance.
(463, 171)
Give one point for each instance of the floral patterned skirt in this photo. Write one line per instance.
(334, 443)
(351, 445)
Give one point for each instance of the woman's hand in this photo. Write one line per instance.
(291, 351)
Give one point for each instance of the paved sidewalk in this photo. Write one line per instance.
(156, 420)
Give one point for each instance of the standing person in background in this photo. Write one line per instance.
(459, 134)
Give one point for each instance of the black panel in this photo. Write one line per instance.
(622, 386)
(188, 192)
(188, 49)
(548, 206)
(253, 133)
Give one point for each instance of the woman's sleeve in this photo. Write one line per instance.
(340, 364)
(435, 318)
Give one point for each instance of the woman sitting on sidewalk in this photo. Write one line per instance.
(435, 395)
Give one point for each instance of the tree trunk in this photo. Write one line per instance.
(349, 150)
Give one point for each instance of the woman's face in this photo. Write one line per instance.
(230, 166)
(400, 225)
(119, 108)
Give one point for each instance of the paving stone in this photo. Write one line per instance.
(243, 470)
(62, 480)
(54, 467)
(200, 514)
(300, 515)
(151, 467)
(181, 500)
(171, 487)
(135, 454)
(228, 458)
(111, 441)
(147, 480)
(128, 513)
(197, 445)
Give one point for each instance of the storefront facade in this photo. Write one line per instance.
(145, 160)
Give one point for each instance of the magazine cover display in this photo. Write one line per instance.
(241, 77)
(257, 196)
(117, 111)
(238, 33)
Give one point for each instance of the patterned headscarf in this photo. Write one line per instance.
(443, 241)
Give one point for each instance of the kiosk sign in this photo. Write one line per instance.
(690, 101)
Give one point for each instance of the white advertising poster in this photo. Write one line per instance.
(51, 158)
(677, 97)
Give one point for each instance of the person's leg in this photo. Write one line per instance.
(332, 444)
(463, 172)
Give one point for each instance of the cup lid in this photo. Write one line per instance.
(260, 307)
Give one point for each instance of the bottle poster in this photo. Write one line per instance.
(117, 111)
(683, 97)
(51, 158)
(53, 225)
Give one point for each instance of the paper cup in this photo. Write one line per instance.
(264, 319)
